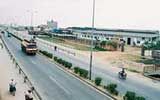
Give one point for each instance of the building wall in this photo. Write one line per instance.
(129, 38)
(52, 24)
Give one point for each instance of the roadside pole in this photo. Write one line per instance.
(91, 53)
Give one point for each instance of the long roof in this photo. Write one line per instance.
(116, 30)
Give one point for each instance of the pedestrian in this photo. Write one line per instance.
(12, 87)
(28, 95)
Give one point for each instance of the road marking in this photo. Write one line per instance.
(54, 80)
(33, 62)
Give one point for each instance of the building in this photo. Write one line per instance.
(52, 25)
(131, 37)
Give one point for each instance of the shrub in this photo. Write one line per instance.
(83, 73)
(99, 48)
(55, 58)
(49, 55)
(111, 88)
(98, 81)
(59, 61)
(140, 98)
(64, 63)
(130, 96)
(46, 53)
(76, 70)
(112, 43)
(69, 65)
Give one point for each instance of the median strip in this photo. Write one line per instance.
(79, 73)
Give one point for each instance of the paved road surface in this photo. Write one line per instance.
(53, 83)
(138, 83)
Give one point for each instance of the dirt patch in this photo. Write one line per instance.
(127, 59)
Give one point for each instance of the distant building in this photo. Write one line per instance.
(131, 37)
(52, 25)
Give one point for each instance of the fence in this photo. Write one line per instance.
(21, 72)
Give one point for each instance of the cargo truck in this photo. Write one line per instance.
(29, 47)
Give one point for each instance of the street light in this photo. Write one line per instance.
(91, 53)
(32, 15)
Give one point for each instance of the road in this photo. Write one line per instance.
(135, 82)
(51, 82)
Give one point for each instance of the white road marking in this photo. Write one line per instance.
(33, 62)
(54, 80)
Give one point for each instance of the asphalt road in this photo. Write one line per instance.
(51, 82)
(148, 88)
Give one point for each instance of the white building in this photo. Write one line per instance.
(129, 36)
(52, 25)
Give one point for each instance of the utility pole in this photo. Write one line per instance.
(32, 15)
(91, 53)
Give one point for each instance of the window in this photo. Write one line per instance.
(143, 38)
(107, 38)
(138, 42)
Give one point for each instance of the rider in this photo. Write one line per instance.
(123, 72)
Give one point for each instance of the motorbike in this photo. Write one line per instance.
(122, 75)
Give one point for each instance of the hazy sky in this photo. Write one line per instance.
(138, 14)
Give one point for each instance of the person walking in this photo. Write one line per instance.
(28, 95)
(12, 87)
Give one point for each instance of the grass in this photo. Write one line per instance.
(133, 70)
(148, 61)
(70, 44)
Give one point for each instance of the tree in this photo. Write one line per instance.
(103, 44)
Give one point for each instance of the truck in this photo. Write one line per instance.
(29, 46)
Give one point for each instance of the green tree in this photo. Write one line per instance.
(103, 44)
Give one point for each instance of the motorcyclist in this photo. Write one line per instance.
(12, 87)
(123, 73)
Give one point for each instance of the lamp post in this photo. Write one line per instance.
(32, 15)
(91, 52)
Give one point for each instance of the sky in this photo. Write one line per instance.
(121, 14)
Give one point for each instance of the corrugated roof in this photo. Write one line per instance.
(116, 30)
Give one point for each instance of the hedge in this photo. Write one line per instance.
(63, 62)
(140, 98)
(55, 58)
(82, 72)
(132, 96)
(76, 70)
(111, 88)
(98, 81)
(112, 43)
(50, 55)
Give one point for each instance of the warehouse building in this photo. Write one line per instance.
(131, 37)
